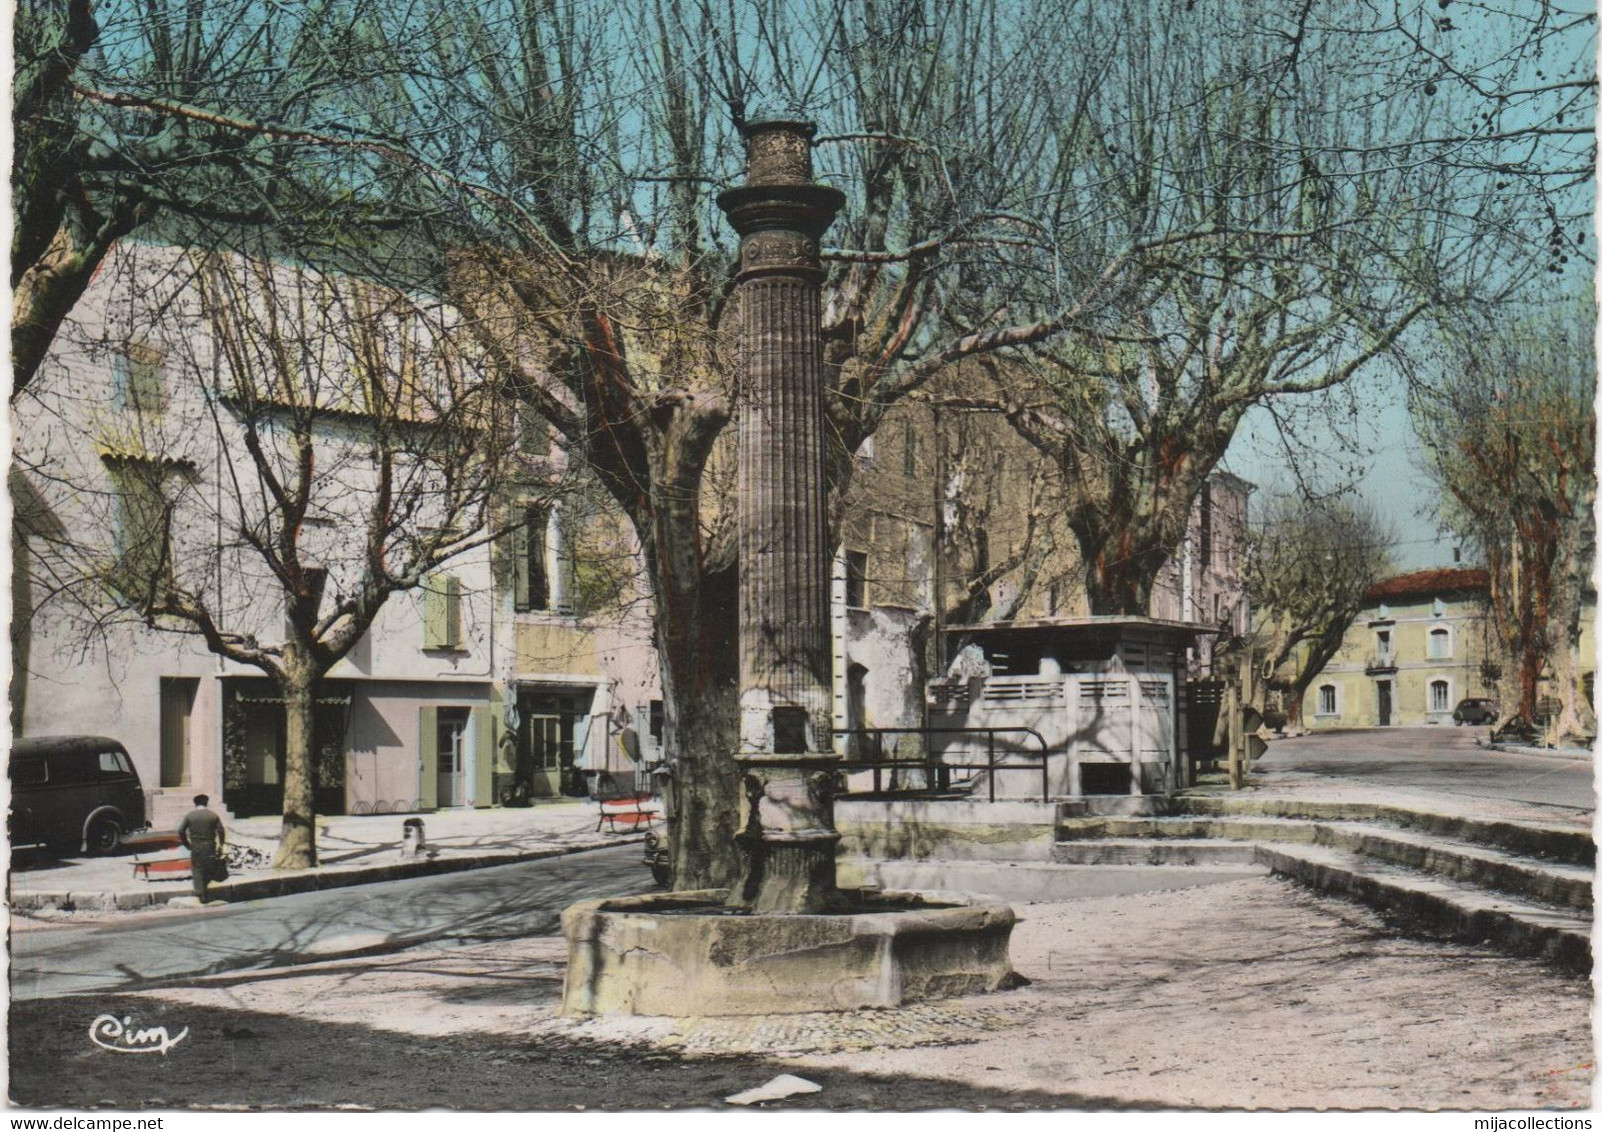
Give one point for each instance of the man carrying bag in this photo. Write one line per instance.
(201, 831)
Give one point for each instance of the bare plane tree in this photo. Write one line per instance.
(1309, 563)
(308, 447)
(1277, 223)
(1510, 427)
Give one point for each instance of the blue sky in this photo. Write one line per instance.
(1380, 457)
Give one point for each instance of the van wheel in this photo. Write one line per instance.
(103, 835)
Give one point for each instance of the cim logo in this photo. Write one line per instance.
(119, 1036)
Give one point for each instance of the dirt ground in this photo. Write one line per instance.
(1250, 994)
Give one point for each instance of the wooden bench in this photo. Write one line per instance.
(151, 841)
(629, 811)
(162, 868)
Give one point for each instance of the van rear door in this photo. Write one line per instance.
(29, 775)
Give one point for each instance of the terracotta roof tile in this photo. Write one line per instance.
(1429, 583)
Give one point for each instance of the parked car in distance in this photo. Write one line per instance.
(1474, 710)
(73, 792)
(657, 859)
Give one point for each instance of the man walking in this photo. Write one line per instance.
(201, 831)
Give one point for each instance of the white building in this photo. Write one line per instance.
(131, 450)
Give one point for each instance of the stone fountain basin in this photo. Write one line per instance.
(682, 954)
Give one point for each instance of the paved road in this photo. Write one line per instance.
(1441, 759)
(125, 953)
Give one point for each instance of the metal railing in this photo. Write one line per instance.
(933, 766)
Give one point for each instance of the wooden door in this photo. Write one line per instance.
(177, 712)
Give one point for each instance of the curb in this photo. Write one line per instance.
(1573, 754)
(240, 891)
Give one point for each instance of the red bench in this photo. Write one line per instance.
(162, 868)
(151, 841)
(628, 811)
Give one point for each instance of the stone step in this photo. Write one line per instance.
(1111, 805)
(1036, 881)
(1550, 882)
(1229, 828)
(1530, 839)
(1153, 851)
(1553, 882)
(1459, 910)
(164, 809)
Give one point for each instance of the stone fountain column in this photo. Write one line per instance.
(788, 828)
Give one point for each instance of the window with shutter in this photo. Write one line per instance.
(141, 533)
(856, 563)
(136, 380)
(532, 586)
(442, 612)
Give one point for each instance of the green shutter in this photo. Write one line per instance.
(137, 380)
(567, 562)
(451, 596)
(428, 756)
(484, 765)
(143, 558)
(144, 381)
(519, 545)
(435, 613)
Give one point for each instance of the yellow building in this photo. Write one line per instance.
(1415, 650)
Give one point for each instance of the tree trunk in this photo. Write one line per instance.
(1118, 578)
(49, 289)
(707, 783)
(1532, 592)
(1575, 719)
(1529, 687)
(297, 840)
(1293, 708)
(696, 618)
(1125, 540)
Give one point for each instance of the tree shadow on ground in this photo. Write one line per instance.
(234, 1057)
(318, 927)
(35, 860)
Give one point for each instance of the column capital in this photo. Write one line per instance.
(780, 213)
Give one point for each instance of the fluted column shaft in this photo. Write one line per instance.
(785, 557)
(784, 553)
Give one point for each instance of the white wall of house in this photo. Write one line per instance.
(75, 429)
